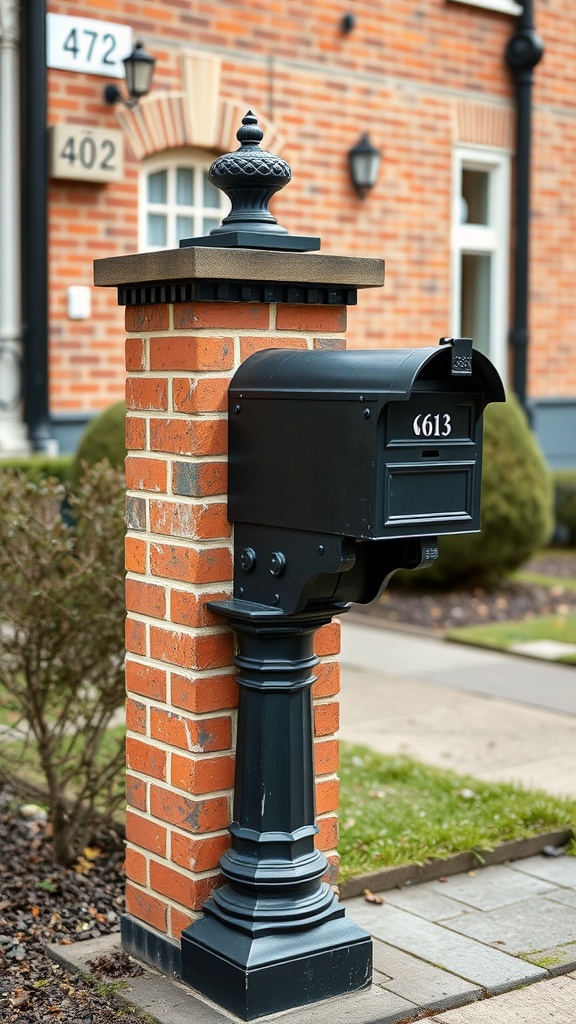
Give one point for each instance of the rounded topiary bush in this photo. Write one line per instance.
(103, 438)
(517, 505)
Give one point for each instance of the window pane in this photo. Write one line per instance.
(212, 195)
(157, 187)
(156, 233)
(209, 223)
(475, 196)
(184, 227)
(476, 300)
(185, 186)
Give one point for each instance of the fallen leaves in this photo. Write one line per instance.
(372, 897)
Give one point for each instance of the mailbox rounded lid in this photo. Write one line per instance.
(340, 374)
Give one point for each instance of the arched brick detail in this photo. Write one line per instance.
(484, 124)
(198, 115)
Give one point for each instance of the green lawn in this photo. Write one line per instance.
(395, 810)
(505, 635)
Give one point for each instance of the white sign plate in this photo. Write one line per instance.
(86, 154)
(85, 44)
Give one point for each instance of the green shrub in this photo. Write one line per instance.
(103, 438)
(62, 644)
(564, 481)
(38, 467)
(517, 515)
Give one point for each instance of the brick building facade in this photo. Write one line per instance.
(426, 78)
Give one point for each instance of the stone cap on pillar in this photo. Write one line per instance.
(246, 275)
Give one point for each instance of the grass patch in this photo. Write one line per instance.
(541, 580)
(395, 810)
(504, 635)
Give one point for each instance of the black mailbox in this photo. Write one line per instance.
(356, 445)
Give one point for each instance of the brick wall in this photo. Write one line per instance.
(405, 73)
(180, 682)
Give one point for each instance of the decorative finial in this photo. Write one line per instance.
(249, 177)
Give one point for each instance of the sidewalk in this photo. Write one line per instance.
(467, 949)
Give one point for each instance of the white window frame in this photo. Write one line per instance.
(169, 161)
(476, 239)
(503, 6)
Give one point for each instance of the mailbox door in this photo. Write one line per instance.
(431, 472)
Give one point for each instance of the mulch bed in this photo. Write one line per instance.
(42, 903)
(435, 611)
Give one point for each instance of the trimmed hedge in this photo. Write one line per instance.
(564, 481)
(103, 438)
(517, 506)
(40, 467)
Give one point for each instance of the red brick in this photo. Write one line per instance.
(327, 639)
(136, 792)
(201, 652)
(178, 922)
(330, 343)
(146, 598)
(327, 679)
(326, 719)
(197, 816)
(232, 315)
(147, 393)
(199, 479)
(204, 693)
(326, 757)
(202, 774)
(135, 354)
(135, 716)
(147, 318)
(189, 436)
(135, 433)
(327, 796)
(199, 854)
(190, 892)
(145, 907)
(208, 521)
(190, 610)
(327, 838)
(146, 680)
(135, 636)
(195, 354)
(136, 551)
(208, 565)
(202, 394)
(250, 345)
(310, 318)
(144, 474)
(199, 735)
(136, 867)
(148, 834)
(145, 758)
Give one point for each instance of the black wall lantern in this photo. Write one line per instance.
(139, 71)
(364, 160)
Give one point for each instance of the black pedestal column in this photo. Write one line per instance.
(274, 936)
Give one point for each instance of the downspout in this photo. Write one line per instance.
(35, 226)
(12, 430)
(523, 52)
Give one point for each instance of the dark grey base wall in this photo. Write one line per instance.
(553, 420)
(150, 946)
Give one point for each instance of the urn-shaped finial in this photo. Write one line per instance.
(249, 177)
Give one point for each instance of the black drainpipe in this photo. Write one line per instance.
(523, 52)
(35, 225)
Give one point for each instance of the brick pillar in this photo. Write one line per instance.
(181, 694)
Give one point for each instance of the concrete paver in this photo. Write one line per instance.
(438, 945)
(552, 1001)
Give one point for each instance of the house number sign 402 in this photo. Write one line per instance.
(86, 154)
(86, 44)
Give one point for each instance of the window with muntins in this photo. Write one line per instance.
(480, 240)
(177, 200)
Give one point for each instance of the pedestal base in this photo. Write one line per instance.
(257, 976)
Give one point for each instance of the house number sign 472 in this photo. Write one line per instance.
(88, 45)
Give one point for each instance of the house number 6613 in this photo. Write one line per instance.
(432, 424)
